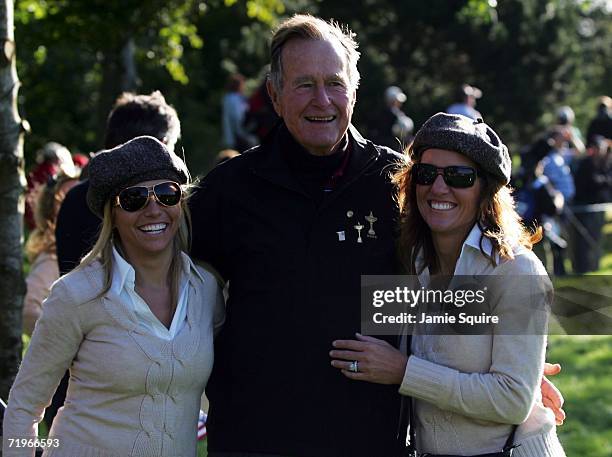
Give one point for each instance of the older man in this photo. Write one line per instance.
(293, 224)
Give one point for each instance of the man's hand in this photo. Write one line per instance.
(551, 396)
(377, 360)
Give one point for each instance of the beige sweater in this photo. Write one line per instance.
(130, 393)
(468, 390)
(43, 273)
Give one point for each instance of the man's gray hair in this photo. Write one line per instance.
(307, 27)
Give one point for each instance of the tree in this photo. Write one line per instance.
(12, 286)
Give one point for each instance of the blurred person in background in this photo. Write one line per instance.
(558, 172)
(394, 127)
(260, 117)
(52, 159)
(80, 162)
(233, 115)
(572, 145)
(601, 124)
(466, 102)
(593, 179)
(40, 247)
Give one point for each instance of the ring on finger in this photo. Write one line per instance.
(354, 366)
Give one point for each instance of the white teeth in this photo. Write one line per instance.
(321, 118)
(153, 228)
(442, 205)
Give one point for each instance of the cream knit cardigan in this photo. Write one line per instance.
(130, 393)
(468, 390)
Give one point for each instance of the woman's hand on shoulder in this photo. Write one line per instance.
(377, 361)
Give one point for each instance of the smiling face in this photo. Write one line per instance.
(316, 100)
(149, 231)
(448, 211)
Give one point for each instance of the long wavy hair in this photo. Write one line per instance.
(496, 217)
(102, 250)
(48, 199)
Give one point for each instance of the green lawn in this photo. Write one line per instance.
(586, 383)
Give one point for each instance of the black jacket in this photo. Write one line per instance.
(77, 228)
(294, 270)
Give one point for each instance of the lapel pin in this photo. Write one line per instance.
(371, 219)
(359, 227)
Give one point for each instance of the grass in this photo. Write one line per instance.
(586, 383)
(202, 448)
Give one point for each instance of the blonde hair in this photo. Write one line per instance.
(47, 201)
(497, 218)
(102, 250)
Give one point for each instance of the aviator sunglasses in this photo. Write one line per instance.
(134, 198)
(457, 176)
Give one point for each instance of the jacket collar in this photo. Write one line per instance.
(270, 164)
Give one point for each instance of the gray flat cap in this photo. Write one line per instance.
(143, 158)
(474, 139)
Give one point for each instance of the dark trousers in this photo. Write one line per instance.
(57, 402)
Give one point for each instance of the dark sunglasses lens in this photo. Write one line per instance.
(168, 193)
(133, 198)
(460, 177)
(424, 174)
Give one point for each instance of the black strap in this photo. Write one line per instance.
(510, 441)
(505, 452)
(406, 417)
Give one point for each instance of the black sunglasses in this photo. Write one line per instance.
(458, 176)
(134, 198)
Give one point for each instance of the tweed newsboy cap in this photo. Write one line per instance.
(143, 158)
(472, 138)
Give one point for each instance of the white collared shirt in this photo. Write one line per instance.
(123, 284)
(470, 261)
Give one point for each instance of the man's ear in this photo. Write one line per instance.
(273, 96)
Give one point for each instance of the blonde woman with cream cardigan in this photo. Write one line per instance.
(134, 323)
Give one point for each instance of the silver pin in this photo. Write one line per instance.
(349, 213)
(371, 219)
(359, 228)
(341, 236)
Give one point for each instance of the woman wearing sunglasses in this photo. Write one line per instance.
(134, 322)
(469, 392)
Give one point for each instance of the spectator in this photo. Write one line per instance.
(573, 144)
(260, 117)
(593, 185)
(466, 102)
(52, 159)
(559, 174)
(394, 128)
(40, 248)
(555, 166)
(602, 123)
(234, 108)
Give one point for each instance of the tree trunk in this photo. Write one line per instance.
(110, 87)
(12, 183)
(129, 79)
